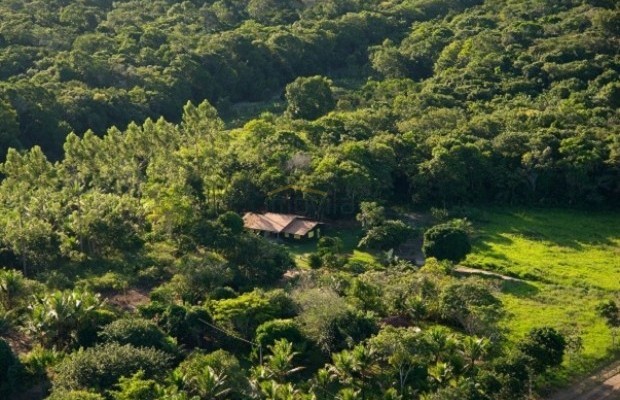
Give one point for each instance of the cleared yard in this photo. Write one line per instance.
(570, 261)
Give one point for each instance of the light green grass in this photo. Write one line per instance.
(570, 261)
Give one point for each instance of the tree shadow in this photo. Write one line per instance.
(564, 228)
(518, 288)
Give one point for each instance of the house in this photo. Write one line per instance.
(282, 225)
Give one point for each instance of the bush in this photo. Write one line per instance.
(102, 366)
(246, 312)
(222, 363)
(446, 242)
(186, 324)
(108, 282)
(74, 395)
(223, 292)
(315, 261)
(39, 359)
(270, 331)
(389, 235)
(137, 332)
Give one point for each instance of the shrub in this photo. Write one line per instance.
(137, 332)
(389, 235)
(246, 312)
(102, 366)
(66, 318)
(271, 331)
(108, 282)
(137, 388)
(222, 363)
(186, 324)
(39, 359)
(223, 292)
(74, 395)
(446, 242)
(315, 261)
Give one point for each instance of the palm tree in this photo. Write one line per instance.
(354, 367)
(208, 385)
(57, 318)
(473, 349)
(12, 285)
(279, 362)
(440, 343)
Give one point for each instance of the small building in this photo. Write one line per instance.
(282, 225)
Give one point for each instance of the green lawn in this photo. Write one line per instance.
(570, 261)
(349, 236)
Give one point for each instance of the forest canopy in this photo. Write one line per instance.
(134, 134)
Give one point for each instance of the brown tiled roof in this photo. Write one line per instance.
(277, 223)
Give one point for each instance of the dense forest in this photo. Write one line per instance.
(134, 133)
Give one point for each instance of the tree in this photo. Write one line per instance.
(309, 98)
(13, 287)
(137, 332)
(64, 319)
(471, 306)
(274, 11)
(101, 367)
(610, 311)
(389, 235)
(446, 242)
(216, 372)
(404, 351)
(544, 346)
(371, 214)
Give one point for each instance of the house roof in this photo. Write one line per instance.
(279, 223)
(300, 227)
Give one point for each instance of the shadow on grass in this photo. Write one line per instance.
(565, 228)
(519, 289)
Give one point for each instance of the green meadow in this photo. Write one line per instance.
(568, 260)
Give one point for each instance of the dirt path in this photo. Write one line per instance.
(474, 271)
(603, 386)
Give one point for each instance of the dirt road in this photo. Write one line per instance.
(603, 386)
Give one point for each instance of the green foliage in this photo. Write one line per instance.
(446, 242)
(136, 388)
(74, 395)
(388, 235)
(65, 319)
(309, 98)
(13, 288)
(269, 332)
(245, 313)
(185, 324)
(471, 306)
(138, 333)
(329, 322)
(371, 215)
(101, 367)
(545, 347)
(218, 364)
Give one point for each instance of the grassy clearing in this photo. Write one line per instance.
(350, 238)
(570, 261)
